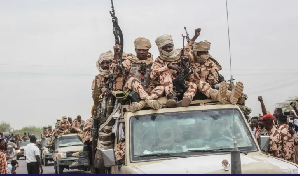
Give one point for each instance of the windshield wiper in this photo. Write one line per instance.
(217, 150)
(163, 155)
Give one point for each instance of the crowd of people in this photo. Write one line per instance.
(281, 127)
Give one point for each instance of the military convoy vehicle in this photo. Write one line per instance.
(45, 154)
(64, 147)
(20, 151)
(190, 140)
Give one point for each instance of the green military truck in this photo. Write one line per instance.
(190, 140)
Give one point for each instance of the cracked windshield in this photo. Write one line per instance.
(187, 133)
(67, 141)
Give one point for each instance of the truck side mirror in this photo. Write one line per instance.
(109, 157)
(264, 143)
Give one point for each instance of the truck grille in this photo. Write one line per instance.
(69, 154)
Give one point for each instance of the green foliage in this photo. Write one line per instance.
(5, 127)
(31, 130)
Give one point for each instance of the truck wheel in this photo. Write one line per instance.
(60, 169)
(55, 167)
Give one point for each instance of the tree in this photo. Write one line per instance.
(4, 127)
(31, 130)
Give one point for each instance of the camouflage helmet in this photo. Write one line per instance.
(64, 117)
(45, 127)
(142, 43)
(58, 120)
(50, 126)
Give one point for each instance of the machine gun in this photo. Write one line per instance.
(187, 35)
(118, 36)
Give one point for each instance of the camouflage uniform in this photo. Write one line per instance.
(134, 79)
(206, 74)
(275, 141)
(50, 131)
(64, 126)
(163, 76)
(76, 125)
(288, 142)
(88, 125)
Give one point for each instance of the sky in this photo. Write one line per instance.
(49, 49)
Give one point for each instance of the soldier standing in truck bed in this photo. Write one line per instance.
(44, 132)
(76, 125)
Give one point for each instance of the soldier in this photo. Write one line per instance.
(206, 76)
(137, 74)
(76, 125)
(58, 122)
(165, 69)
(44, 132)
(275, 137)
(70, 120)
(64, 126)
(84, 156)
(288, 139)
(50, 131)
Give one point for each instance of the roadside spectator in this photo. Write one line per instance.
(260, 130)
(3, 164)
(254, 124)
(294, 120)
(32, 154)
(275, 138)
(288, 139)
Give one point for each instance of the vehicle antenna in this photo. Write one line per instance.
(235, 153)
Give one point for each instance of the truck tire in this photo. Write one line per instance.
(60, 169)
(55, 168)
(45, 161)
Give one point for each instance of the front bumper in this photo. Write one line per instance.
(20, 154)
(66, 161)
(48, 157)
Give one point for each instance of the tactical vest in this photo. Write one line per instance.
(136, 70)
(101, 81)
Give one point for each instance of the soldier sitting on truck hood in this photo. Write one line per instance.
(64, 126)
(206, 75)
(76, 125)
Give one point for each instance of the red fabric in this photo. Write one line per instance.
(267, 117)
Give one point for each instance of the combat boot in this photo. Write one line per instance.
(185, 102)
(234, 95)
(172, 101)
(136, 106)
(154, 104)
(219, 95)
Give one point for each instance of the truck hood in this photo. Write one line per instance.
(253, 163)
(70, 149)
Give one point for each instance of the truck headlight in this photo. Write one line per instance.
(18, 151)
(62, 155)
(45, 151)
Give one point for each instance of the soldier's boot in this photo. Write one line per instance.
(234, 95)
(185, 102)
(172, 101)
(219, 95)
(136, 106)
(154, 104)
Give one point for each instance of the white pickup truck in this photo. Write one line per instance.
(65, 146)
(191, 140)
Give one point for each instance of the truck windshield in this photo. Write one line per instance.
(66, 141)
(188, 133)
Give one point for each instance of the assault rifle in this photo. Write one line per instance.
(187, 35)
(142, 70)
(94, 130)
(118, 36)
(179, 85)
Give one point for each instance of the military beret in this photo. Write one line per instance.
(267, 117)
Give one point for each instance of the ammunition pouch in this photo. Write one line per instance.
(120, 94)
(134, 96)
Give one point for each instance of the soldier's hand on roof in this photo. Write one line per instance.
(197, 32)
(260, 98)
